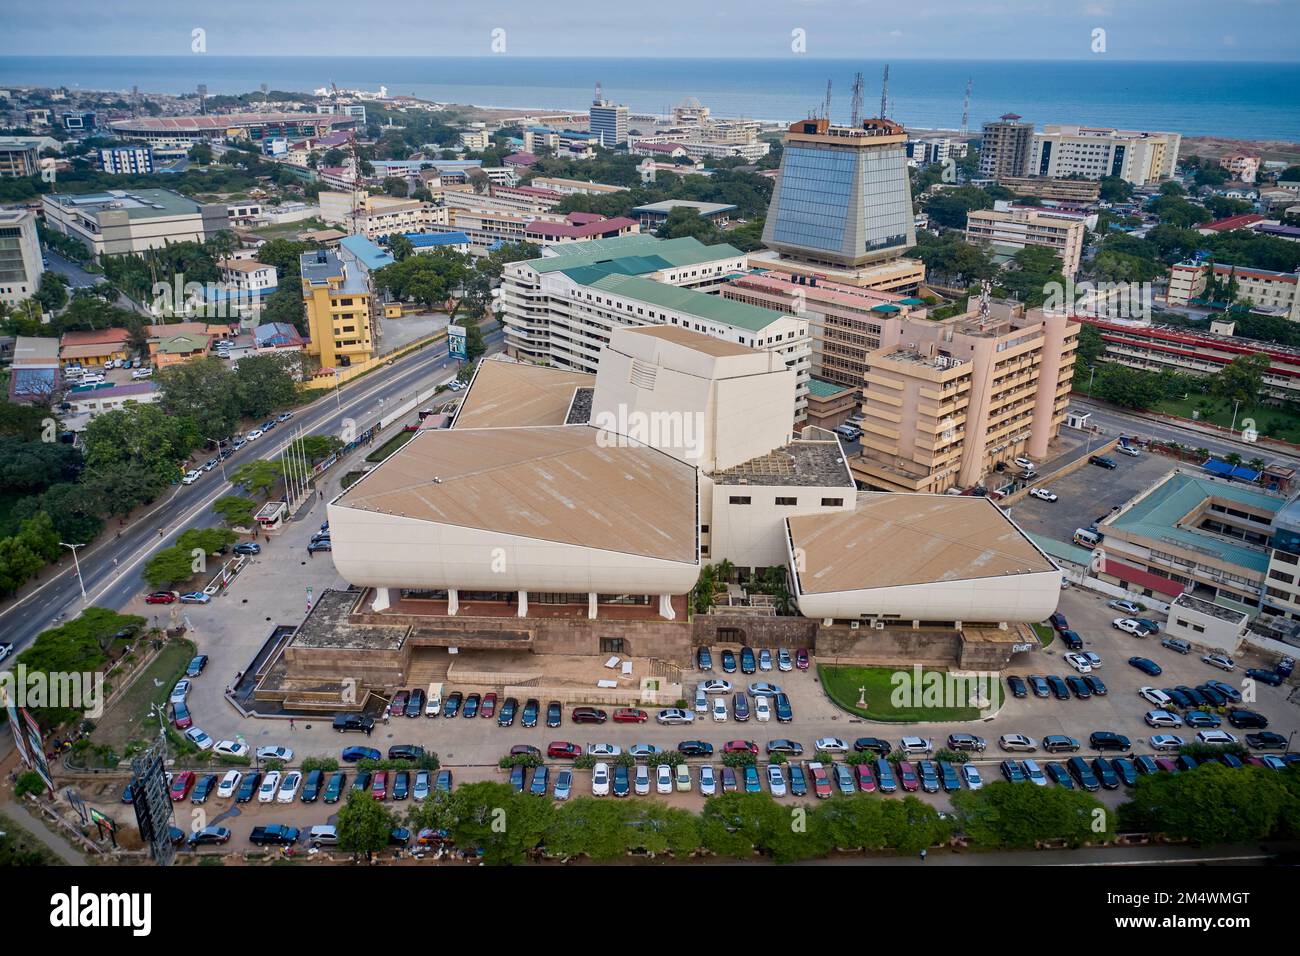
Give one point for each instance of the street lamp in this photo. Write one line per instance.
(221, 462)
(337, 399)
(1092, 370)
(1236, 402)
(77, 565)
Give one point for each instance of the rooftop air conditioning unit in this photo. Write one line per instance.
(855, 624)
(877, 625)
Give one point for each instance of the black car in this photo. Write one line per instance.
(529, 716)
(1058, 621)
(506, 715)
(415, 703)
(728, 662)
(1247, 719)
(1195, 696)
(1178, 697)
(695, 748)
(517, 776)
(1059, 775)
(1105, 773)
(1109, 740)
(471, 706)
(209, 836)
(311, 784)
(248, 789)
(622, 786)
(1102, 462)
(451, 706)
(360, 722)
(402, 785)
(203, 789)
(1072, 640)
(1038, 684)
(1145, 665)
(1267, 740)
(1082, 773)
(1059, 688)
(1271, 678)
(748, 663)
(703, 659)
(782, 746)
(196, 666)
(874, 744)
(553, 713)
(1059, 743)
(1017, 686)
(1079, 686)
(1213, 695)
(405, 752)
(1095, 685)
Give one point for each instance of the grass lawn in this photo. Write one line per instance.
(1045, 634)
(128, 718)
(20, 848)
(390, 446)
(1270, 422)
(885, 702)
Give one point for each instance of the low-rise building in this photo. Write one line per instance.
(1241, 166)
(126, 160)
(125, 221)
(376, 217)
(1206, 624)
(655, 214)
(1269, 292)
(1018, 227)
(580, 227)
(19, 157)
(34, 371)
(92, 349)
(576, 187)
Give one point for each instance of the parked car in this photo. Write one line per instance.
(916, 745)
(1176, 645)
(1166, 742)
(1221, 661)
(801, 659)
(1101, 461)
(1108, 740)
(747, 663)
(588, 715)
(354, 754)
(703, 659)
(675, 715)
(600, 780)
(1017, 742)
(874, 744)
(1060, 743)
(1247, 719)
(563, 785)
(627, 715)
(334, 788)
(967, 742)
(1017, 686)
(451, 706)
(1146, 666)
(1271, 678)
(1128, 608)
(970, 773)
(708, 782)
(830, 745)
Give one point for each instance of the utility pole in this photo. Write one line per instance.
(77, 565)
(884, 94)
(855, 108)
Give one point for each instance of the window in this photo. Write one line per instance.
(1282, 576)
(739, 499)
(611, 645)
(832, 502)
(786, 502)
(704, 529)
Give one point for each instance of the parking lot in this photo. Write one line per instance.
(1088, 494)
(472, 747)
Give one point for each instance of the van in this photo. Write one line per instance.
(323, 835)
(1086, 538)
(701, 700)
(848, 432)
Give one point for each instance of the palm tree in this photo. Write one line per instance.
(702, 595)
(1256, 464)
(723, 571)
(1232, 458)
(1203, 454)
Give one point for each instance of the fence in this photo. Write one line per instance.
(322, 382)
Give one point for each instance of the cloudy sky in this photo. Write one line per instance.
(956, 29)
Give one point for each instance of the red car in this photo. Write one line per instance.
(161, 597)
(821, 780)
(563, 750)
(866, 778)
(801, 658)
(907, 776)
(590, 715)
(489, 706)
(181, 784)
(181, 717)
(740, 747)
(629, 715)
(398, 706)
(379, 789)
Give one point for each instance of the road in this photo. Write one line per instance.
(1118, 423)
(79, 278)
(110, 568)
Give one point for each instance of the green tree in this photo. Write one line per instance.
(400, 247)
(364, 825)
(263, 384)
(1115, 189)
(203, 392)
(1016, 816)
(132, 453)
(53, 292)
(686, 221)
(235, 510)
(506, 826)
(257, 477)
(1213, 804)
(1241, 378)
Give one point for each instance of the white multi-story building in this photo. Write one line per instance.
(20, 256)
(121, 221)
(126, 160)
(1093, 152)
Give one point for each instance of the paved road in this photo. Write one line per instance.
(110, 568)
(1118, 423)
(79, 278)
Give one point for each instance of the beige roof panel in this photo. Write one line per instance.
(894, 540)
(511, 394)
(573, 485)
(695, 340)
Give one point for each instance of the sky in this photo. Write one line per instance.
(902, 29)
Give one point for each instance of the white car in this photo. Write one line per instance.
(1162, 718)
(720, 709)
(1079, 663)
(916, 745)
(1166, 742)
(716, 685)
(1130, 626)
(775, 780)
(1017, 742)
(664, 779)
(764, 689)
(270, 784)
(1042, 494)
(641, 779)
(701, 701)
(972, 776)
(140, 373)
(229, 785)
(1220, 661)
(1216, 737)
(708, 783)
(1127, 607)
(1093, 659)
(600, 780)
(603, 750)
(179, 692)
(675, 715)
(1154, 695)
(191, 477)
(289, 787)
(283, 754)
(198, 738)
(433, 706)
(1024, 463)
(783, 662)
(230, 748)
(254, 435)
(1128, 450)
(832, 745)
(762, 709)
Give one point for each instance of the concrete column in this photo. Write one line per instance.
(523, 603)
(453, 602)
(666, 607)
(383, 599)
(591, 605)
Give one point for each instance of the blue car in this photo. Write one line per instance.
(728, 662)
(517, 777)
(1059, 775)
(784, 714)
(1146, 666)
(541, 777)
(622, 786)
(752, 784)
(703, 659)
(798, 783)
(748, 663)
(885, 776)
(353, 754)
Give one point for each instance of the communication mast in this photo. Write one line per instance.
(965, 111)
(855, 110)
(826, 107)
(884, 94)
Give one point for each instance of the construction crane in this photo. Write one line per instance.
(855, 108)
(884, 94)
(965, 111)
(826, 107)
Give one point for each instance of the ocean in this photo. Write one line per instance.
(1234, 100)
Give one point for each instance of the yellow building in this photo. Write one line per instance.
(337, 301)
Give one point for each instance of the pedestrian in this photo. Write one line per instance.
(924, 852)
(322, 495)
(385, 717)
(291, 723)
(311, 553)
(115, 562)
(160, 532)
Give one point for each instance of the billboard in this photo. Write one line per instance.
(27, 739)
(456, 346)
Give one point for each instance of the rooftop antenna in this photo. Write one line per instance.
(600, 95)
(826, 107)
(884, 94)
(986, 289)
(855, 110)
(965, 110)
(203, 98)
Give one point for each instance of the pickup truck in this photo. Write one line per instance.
(277, 834)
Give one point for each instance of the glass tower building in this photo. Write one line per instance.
(842, 196)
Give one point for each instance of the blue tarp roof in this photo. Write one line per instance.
(1238, 472)
(423, 240)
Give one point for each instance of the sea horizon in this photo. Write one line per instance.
(1224, 98)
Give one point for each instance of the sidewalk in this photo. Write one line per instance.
(37, 828)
